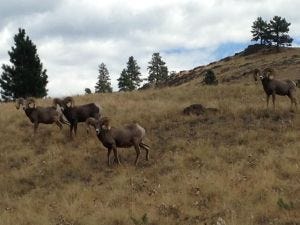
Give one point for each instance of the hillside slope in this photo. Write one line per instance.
(240, 166)
(238, 68)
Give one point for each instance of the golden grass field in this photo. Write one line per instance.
(240, 166)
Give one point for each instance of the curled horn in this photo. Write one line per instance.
(256, 73)
(57, 101)
(69, 100)
(269, 73)
(29, 101)
(105, 123)
(19, 101)
(90, 122)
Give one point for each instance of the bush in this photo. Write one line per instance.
(87, 91)
(210, 78)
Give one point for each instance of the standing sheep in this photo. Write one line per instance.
(37, 114)
(123, 137)
(273, 86)
(76, 114)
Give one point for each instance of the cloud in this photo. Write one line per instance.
(74, 36)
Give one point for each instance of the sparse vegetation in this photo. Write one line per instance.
(232, 167)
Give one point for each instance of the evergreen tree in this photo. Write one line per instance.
(279, 28)
(158, 72)
(260, 31)
(172, 75)
(103, 85)
(210, 78)
(133, 71)
(125, 83)
(26, 76)
(87, 91)
(130, 77)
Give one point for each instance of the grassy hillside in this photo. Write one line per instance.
(238, 68)
(240, 166)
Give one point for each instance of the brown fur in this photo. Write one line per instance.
(76, 114)
(37, 114)
(275, 87)
(123, 137)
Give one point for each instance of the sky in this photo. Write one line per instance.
(73, 37)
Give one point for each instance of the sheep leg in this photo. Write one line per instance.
(273, 100)
(75, 128)
(138, 152)
(36, 124)
(59, 124)
(293, 100)
(146, 147)
(268, 98)
(116, 155)
(108, 155)
(71, 129)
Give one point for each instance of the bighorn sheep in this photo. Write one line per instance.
(123, 137)
(76, 114)
(273, 86)
(37, 114)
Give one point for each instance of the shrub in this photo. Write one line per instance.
(210, 78)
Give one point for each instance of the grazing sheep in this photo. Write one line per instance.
(273, 86)
(76, 114)
(123, 137)
(37, 114)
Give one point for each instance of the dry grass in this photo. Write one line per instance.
(241, 166)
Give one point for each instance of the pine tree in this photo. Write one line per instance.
(158, 72)
(103, 85)
(279, 28)
(210, 78)
(87, 91)
(125, 83)
(26, 76)
(260, 31)
(130, 77)
(133, 71)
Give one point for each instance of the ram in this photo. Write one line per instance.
(76, 114)
(275, 87)
(123, 137)
(37, 114)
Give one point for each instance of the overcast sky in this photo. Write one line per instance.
(74, 36)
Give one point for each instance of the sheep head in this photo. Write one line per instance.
(256, 74)
(104, 123)
(91, 122)
(269, 73)
(30, 101)
(68, 102)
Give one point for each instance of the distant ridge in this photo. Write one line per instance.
(239, 67)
